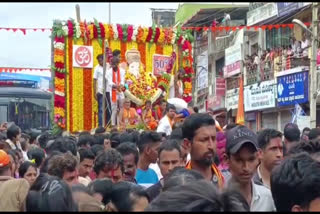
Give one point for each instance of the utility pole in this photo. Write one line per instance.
(104, 76)
(78, 13)
(313, 67)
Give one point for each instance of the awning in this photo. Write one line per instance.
(16, 92)
(186, 11)
(205, 17)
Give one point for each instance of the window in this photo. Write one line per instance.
(278, 37)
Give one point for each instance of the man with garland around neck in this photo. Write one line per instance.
(199, 133)
(115, 83)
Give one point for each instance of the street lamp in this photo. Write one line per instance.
(313, 62)
(301, 24)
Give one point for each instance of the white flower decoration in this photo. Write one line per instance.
(58, 45)
(115, 31)
(78, 32)
(65, 30)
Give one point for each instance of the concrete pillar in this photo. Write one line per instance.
(279, 121)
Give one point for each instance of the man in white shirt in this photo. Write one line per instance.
(270, 155)
(115, 82)
(166, 123)
(98, 90)
(305, 44)
(226, 19)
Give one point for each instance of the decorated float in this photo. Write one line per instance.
(151, 56)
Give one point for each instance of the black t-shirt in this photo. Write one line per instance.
(154, 190)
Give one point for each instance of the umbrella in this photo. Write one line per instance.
(180, 104)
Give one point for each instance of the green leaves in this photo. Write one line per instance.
(125, 32)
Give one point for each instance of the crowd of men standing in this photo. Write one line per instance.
(194, 168)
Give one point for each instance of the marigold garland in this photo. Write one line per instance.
(70, 69)
(96, 51)
(106, 31)
(159, 49)
(142, 50)
(77, 101)
(67, 115)
(111, 32)
(149, 57)
(140, 34)
(145, 35)
(132, 45)
(59, 99)
(123, 51)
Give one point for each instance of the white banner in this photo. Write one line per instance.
(260, 97)
(232, 97)
(82, 56)
(233, 54)
(303, 121)
(202, 70)
(262, 13)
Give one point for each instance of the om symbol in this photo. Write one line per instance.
(83, 56)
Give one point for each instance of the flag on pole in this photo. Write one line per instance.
(240, 112)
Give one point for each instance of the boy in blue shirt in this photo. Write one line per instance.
(148, 145)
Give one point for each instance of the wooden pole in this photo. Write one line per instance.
(78, 13)
(104, 79)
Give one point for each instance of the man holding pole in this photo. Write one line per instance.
(115, 82)
(98, 89)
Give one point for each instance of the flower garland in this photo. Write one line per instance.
(187, 62)
(59, 84)
(77, 94)
(130, 33)
(140, 34)
(120, 32)
(157, 35)
(135, 33)
(71, 76)
(149, 35)
(161, 36)
(115, 32)
(123, 32)
(96, 51)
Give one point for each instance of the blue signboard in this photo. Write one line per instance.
(285, 8)
(292, 89)
(42, 82)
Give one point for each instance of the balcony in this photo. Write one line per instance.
(268, 69)
(232, 83)
(201, 44)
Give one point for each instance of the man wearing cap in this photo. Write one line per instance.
(199, 133)
(5, 170)
(242, 157)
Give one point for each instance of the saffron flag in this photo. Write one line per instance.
(240, 112)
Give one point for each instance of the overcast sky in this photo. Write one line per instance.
(33, 49)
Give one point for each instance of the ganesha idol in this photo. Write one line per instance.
(141, 85)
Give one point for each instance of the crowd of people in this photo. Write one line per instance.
(278, 58)
(194, 166)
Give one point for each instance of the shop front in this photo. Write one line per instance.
(231, 103)
(260, 103)
(291, 89)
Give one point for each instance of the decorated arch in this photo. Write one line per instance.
(75, 108)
